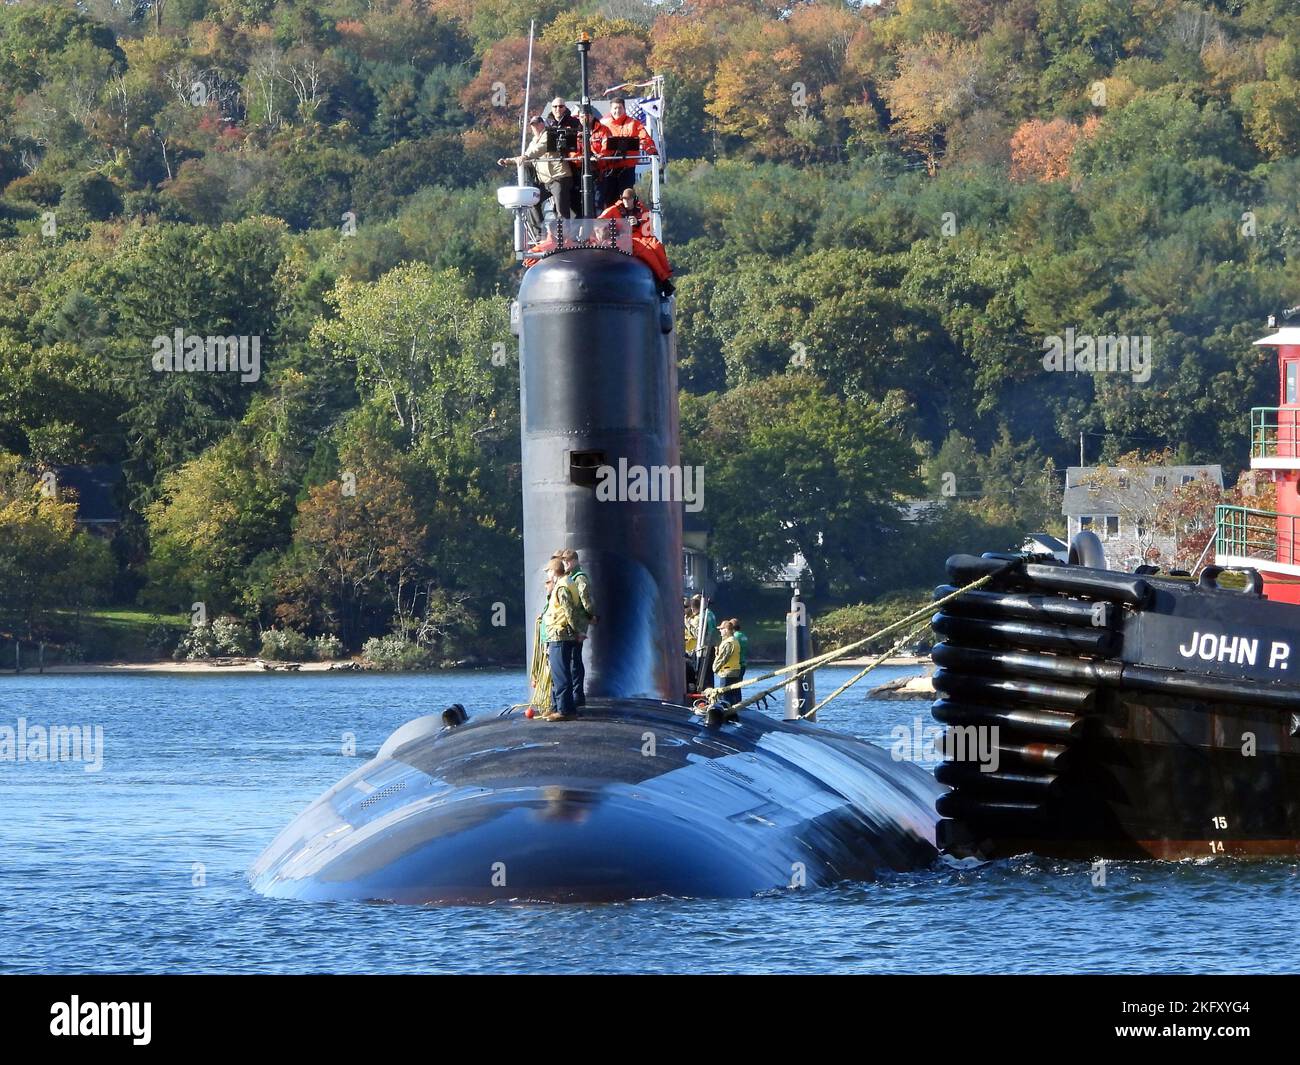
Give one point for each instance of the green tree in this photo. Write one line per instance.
(790, 467)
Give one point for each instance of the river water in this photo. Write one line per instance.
(140, 866)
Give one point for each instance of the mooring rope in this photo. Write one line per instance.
(800, 668)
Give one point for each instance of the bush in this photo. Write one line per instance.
(396, 653)
(850, 623)
(232, 636)
(161, 636)
(198, 642)
(285, 645)
(209, 639)
(327, 648)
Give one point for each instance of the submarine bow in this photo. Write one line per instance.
(635, 800)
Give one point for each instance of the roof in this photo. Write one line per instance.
(917, 509)
(1288, 334)
(1079, 499)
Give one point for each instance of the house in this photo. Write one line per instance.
(1122, 508)
(95, 490)
(698, 571)
(1042, 543)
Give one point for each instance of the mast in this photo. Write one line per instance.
(588, 177)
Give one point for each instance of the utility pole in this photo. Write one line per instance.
(1081, 462)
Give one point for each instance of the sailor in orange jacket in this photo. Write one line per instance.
(592, 126)
(645, 245)
(619, 174)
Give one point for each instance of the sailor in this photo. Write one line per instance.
(539, 677)
(586, 617)
(645, 245)
(560, 117)
(726, 662)
(592, 126)
(618, 173)
(708, 645)
(554, 174)
(743, 642)
(562, 646)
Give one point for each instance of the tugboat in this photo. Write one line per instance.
(1133, 715)
(639, 795)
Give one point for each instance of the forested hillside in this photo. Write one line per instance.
(880, 216)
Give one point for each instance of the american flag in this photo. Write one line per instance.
(649, 110)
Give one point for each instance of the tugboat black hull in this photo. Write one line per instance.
(1136, 716)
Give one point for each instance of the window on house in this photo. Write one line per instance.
(1187, 478)
(1112, 524)
(1123, 481)
(1085, 522)
(1160, 481)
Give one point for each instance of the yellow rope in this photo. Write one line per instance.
(539, 678)
(800, 668)
(867, 669)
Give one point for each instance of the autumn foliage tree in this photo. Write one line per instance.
(939, 80)
(1041, 151)
(356, 544)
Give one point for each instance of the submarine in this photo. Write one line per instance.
(641, 795)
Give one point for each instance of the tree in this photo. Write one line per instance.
(1041, 151)
(46, 563)
(355, 544)
(790, 467)
(939, 81)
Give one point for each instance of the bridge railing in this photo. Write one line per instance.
(1275, 432)
(1244, 532)
(566, 234)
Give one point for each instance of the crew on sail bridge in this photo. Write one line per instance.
(552, 169)
(626, 140)
(645, 245)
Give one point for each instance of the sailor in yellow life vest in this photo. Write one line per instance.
(562, 646)
(726, 661)
(586, 617)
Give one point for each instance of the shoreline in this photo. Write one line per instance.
(254, 665)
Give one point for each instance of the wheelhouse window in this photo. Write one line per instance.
(1292, 384)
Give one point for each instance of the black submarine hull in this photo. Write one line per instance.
(1137, 716)
(635, 799)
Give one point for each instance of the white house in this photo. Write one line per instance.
(1121, 508)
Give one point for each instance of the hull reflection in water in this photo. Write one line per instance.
(633, 800)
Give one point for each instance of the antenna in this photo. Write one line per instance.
(528, 88)
(520, 173)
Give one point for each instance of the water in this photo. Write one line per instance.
(98, 871)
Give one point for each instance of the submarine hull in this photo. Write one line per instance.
(635, 799)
